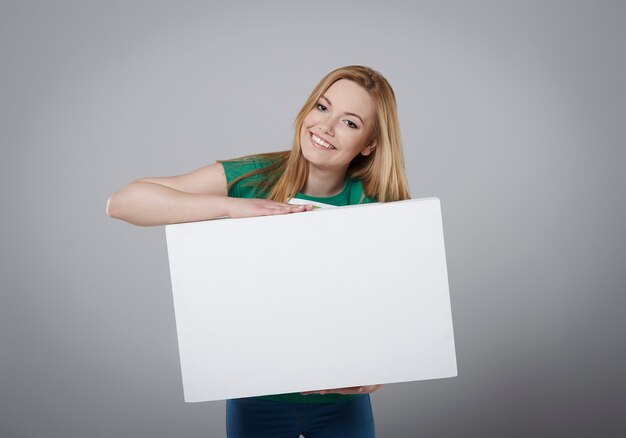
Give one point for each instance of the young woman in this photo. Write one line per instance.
(346, 150)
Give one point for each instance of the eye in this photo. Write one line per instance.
(351, 124)
(321, 107)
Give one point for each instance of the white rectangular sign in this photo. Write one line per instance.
(330, 298)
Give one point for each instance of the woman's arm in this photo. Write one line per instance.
(195, 196)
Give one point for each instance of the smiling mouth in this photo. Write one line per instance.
(317, 141)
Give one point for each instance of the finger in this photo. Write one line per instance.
(344, 391)
(367, 389)
(280, 211)
(278, 206)
(300, 209)
(353, 390)
(274, 212)
(291, 207)
(321, 392)
(376, 387)
(306, 207)
(294, 209)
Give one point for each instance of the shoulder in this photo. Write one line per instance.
(240, 166)
(244, 175)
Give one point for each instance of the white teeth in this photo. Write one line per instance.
(321, 142)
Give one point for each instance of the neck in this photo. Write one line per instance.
(323, 183)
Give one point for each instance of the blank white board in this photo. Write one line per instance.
(349, 296)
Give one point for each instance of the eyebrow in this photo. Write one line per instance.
(350, 114)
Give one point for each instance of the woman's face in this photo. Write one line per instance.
(339, 127)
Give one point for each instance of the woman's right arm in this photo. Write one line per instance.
(195, 196)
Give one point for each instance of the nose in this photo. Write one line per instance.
(326, 126)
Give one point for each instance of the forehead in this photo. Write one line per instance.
(347, 95)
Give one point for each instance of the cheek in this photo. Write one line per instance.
(308, 122)
(304, 131)
(311, 119)
(353, 140)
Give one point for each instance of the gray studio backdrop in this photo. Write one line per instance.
(512, 113)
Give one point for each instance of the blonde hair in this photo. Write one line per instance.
(381, 172)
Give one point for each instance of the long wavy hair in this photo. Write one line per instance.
(381, 172)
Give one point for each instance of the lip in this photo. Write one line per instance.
(318, 146)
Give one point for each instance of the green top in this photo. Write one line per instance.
(351, 194)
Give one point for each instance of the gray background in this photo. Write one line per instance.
(511, 112)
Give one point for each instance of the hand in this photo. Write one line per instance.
(249, 207)
(346, 391)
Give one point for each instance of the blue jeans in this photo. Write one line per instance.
(257, 418)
